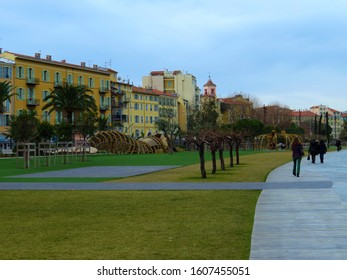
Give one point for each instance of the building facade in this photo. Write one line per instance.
(34, 77)
(335, 118)
(184, 86)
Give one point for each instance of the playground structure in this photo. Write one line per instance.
(115, 142)
(275, 140)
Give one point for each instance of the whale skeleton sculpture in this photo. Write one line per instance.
(119, 143)
(270, 140)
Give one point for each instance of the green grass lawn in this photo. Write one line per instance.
(135, 224)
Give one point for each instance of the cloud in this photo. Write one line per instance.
(294, 50)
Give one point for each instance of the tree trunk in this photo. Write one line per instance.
(231, 155)
(221, 158)
(214, 162)
(201, 148)
(237, 153)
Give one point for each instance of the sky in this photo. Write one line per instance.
(291, 53)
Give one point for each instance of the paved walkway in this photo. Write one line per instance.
(302, 223)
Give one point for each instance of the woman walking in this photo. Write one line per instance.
(297, 153)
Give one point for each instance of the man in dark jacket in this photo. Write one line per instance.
(313, 150)
(322, 149)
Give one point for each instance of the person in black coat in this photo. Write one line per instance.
(322, 149)
(313, 150)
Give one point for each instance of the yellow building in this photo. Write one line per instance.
(143, 108)
(34, 77)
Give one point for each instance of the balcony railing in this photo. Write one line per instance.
(119, 118)
(117, 104)
(104, 107)
(117, 91)
(32, 81)
(33, 102)
(103, 90)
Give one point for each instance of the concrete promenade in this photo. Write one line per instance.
(301, 223)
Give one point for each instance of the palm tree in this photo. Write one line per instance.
(69, 99)
(5, 94)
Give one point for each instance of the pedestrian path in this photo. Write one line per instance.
(301, 223)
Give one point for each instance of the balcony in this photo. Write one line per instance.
(119, 118)
(103, 90)
(117, 104)
(117, 91)
(32, 81)
(104, 107)
(33, 102)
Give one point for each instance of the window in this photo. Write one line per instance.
(44, 94)
(136, 119)
(20, 72)
(136, 96)
(31, 73)
(45, 76)
(91, 82)
(69, 79)
(20, 93)
(5, 72)
(31, 94)
(80, 81)
(58, 117)
(45, 116)
(57, 79)
(4, 120)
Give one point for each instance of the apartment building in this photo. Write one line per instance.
(34, 77)
(335, 118)
(184, 86)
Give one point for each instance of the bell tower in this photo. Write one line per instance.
(210, 89)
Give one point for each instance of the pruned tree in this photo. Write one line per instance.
(230, 139)
(200, 141)
(199, 126)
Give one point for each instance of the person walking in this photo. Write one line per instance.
(338, 145)
(297, 153)
(322, 149)
(313, 150)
